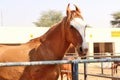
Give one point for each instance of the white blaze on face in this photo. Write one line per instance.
(79, 24)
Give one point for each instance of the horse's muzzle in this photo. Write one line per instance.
(82, 52)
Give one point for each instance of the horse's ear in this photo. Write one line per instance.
(68, 10)
(77, 9)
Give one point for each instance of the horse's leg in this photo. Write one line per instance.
(113, 69)
(61, 75)
(67, 75)
(70, 75)
(116, 68)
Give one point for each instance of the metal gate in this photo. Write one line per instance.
(73, 62)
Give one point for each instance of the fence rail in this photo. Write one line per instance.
(101, 75)
(57, 62)
(73, 62)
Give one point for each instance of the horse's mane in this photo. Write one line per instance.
(62, 21)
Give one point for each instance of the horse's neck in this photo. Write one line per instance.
(53, 41)
(55, 38)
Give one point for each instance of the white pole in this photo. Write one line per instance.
(1, 18)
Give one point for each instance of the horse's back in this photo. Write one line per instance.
(24, 53)
(12, 54)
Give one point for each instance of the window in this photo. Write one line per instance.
(96, 48)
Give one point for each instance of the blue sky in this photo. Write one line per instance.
(96, 13)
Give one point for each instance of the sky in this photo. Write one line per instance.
(22, 13)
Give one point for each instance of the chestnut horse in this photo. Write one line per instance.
(114, 67)
(66, 69)
(50, 46)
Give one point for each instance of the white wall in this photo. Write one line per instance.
(100, 35)
(13, 35)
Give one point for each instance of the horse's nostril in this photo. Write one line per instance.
(81, 49)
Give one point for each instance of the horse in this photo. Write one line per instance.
(66, 67)
(50, 46)
(114, 67)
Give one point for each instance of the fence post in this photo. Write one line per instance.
(102, 71)
(85, 71)
(75, 71)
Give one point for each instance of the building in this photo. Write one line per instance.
(18, 35)
(100, 40)
(103, 40)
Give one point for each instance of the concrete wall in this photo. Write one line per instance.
(14, 35)
(103, 35)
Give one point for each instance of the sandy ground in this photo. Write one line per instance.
(95, 68)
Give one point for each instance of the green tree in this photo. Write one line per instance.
(49, 18)
(116, 21)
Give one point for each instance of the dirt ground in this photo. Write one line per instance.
(95, 68)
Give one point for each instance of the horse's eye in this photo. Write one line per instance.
(71, 26)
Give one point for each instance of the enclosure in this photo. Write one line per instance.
(74, 63)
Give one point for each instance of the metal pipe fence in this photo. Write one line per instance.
(57, 62)
(73, 62)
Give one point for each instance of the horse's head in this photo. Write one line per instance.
(75, 30)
